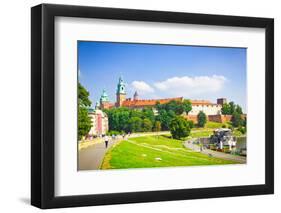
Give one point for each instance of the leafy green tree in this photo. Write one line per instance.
(187, 107)
(157, 126)
(136, 113)
(236, 119)
(83, 96)
(229, 109)
(202, 119)
(232, 107)
(242, 129)
(239, 110)
(191, 124)
(245, 122)
(84, 122)
(179, 127)
(225, 110)
(135, 124)
(146, 125)
(149, 114)
(165, 118)
(118, 118)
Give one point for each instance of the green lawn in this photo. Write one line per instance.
(153, 151)
(203, 133)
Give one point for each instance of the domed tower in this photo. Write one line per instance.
(120, 92)
(136, 96)
(104, 100)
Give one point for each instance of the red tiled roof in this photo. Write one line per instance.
(201, 102)
(148, 102)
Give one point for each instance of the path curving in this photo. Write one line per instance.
(225, 156)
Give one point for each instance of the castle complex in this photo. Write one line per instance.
(99, 118)
(207, 107)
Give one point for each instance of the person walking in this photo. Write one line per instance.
(106, 139)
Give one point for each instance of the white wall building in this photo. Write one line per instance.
(206, 106)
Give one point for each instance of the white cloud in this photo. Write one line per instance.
(185, 86)
(190, 86)
(142, 87)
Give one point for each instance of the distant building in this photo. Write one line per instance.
(221, 101)
(120, 93)
(104, 101)
(99, 121)
(206, 106)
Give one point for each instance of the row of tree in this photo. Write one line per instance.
(84, 122)
(146, 119)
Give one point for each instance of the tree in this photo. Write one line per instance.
(191, 124)
(232, 107)
(146, 125)
(157, 126)
(239, 109)
(118, 118)
(83, 96)
(225, 110)
(187, 107)
(148, 113)
(179, 127)
(165, 118)
(229, 109)
(135, 124)
(202, 119)
(84, 122)
(236, 119)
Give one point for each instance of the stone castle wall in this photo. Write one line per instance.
(213, 118)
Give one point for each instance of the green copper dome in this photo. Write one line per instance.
(90, 110)
(104, 97)
(121, 88)
(97, 106)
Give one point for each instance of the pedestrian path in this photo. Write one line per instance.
(91, 153)
(225, 156)
(91, 158)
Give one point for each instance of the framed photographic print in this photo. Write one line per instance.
(139, 106)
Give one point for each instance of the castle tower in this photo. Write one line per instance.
(104, 100)
(136, 96)
(221, 101)
(120, 92)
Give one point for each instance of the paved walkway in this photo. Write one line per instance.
(91, 155)
(91, 158)
(238, 159)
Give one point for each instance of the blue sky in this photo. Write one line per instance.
(163, 71)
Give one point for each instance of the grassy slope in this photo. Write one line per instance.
(142, 152)
(209, 128)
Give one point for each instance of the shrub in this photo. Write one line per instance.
(113, 132)
(242, 129)
(191, 124)
(202, 119)
(179, 127)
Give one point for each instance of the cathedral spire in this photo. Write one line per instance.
(120, 92)
(121, 87)
(136, 96)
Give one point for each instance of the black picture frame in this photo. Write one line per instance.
(43, 102)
